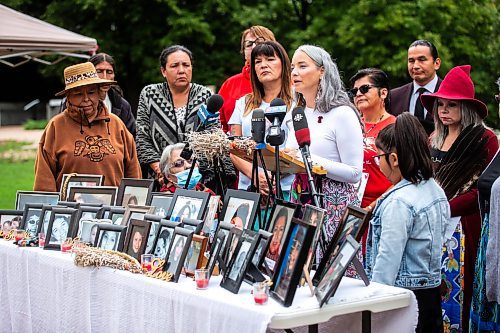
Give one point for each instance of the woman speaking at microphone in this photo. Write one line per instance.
(336, 138)
(270, 77)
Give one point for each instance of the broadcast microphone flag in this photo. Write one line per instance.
(259, 128)
(302, 133)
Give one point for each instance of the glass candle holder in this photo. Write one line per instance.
(19, 234)
(41, 239)
(147, 262)
(67, 245)
(260, 293)
(201, 278)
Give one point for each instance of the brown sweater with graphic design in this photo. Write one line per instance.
(105, 148)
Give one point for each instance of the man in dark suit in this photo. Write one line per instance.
(423, 63)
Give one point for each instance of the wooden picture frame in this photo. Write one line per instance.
(110, 237)
(135, 212)
(136, 238)
(240, 208)
(9, 215)
(290, 265)
(164, 236)
(134, 191)
(59, 228)
(195, 255)
(329, 283)
(177, 252)
(188, 204)
(193, 224)
(236, 269)
(83, 180)
(161, 201)
(41, 197)
(355, 222)
(31, 218)
(105, 195)
(215, 253)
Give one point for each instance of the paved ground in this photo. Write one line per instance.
(18, 133)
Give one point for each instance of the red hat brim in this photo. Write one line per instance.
(429, 99)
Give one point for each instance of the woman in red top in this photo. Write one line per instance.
(370, 93)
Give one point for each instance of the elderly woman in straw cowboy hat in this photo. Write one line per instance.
(86, 137)
(461, 148)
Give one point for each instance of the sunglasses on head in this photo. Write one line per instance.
(180, 163)
(362, 89)
(250, 43)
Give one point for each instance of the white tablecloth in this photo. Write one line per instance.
(43, 291)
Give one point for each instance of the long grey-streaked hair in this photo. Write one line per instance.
(468, 114)
(166, 157)
(332, 92)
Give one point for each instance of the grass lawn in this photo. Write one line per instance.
(17, 173)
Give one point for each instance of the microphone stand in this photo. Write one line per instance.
(255, 179)
(306, 156)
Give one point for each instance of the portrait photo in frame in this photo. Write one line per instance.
(83, 180)
(314, 216)
(45, 218)
(240, 208)
(164, 236)
(161, 201)
(40, 197)
(154, 220)
(87, 229)
(115, 214)
(335, 271)
(177, 252)
(231, 244)
(290, 265)
(135, 212)
(31, 218)
(354, 223)
(195, 255)
(243, 254)
(210, 223)
(104, 195)
(215, 253)
(84, 213)
(59, 228)
(134, 192)
(223, 229)
(188, 204)
(279, 223)
(136, 238)
(14, 219)
(110, 237)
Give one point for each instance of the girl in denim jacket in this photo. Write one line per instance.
(407, 227)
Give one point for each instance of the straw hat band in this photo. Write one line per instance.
(79, 77)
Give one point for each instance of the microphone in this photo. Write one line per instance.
(258, 128)
(276, 113)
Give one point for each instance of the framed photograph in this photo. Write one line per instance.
(210, 223)
(104, 195)
(195, 255)
(215, 253)
(84, 213)
(154, 220)
(240, 208)
(161, 202)
(44, 219)
(164, 236)
(31, 218)
(177, 252)
(235, 272)
(279, 223)
(354, 224)
(115, 214)
(110, 237)
(24, 197)
(136, 213)
(82, 180)
(290, 265)
(262, 247)
(134, 192)
(137, 238)
(68, 204)
(188, 204)
(14, 219)
(314, 216)
(59, 228)
(334, 272)
(193, 224)
(231, 244)
(224, 229)
(87, 230)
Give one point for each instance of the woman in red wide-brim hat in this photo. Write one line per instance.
(461, 148)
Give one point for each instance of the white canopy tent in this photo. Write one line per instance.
(27, 38)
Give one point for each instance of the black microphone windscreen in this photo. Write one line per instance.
(300, 126)
(258, 125)
(214, 103)
(277, 102)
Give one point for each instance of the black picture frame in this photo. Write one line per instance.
(314, 216)
(45, 218)
(115, 214)
(215, 252)
(83, 180)
(104, 211)
(105, 195)
(68, 204)
(59, 228)
(135, 229)
(31, 218)
(329, 283)
(236, 269)
(231, 244)
(290, 265)
(115, 236)
(154, 220)
(195, 255)
(177, 252)
(134, 191)
(360, 218)
(84, 213)
(193, 224)
(240, 208)
(161, 201)
(210, 222)
(223, 229)
(279, 223)
(41, 197)
(135, 212)
(86, 230)
(262, 247)
(188, 204)
(164, 236)
(8, 215)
